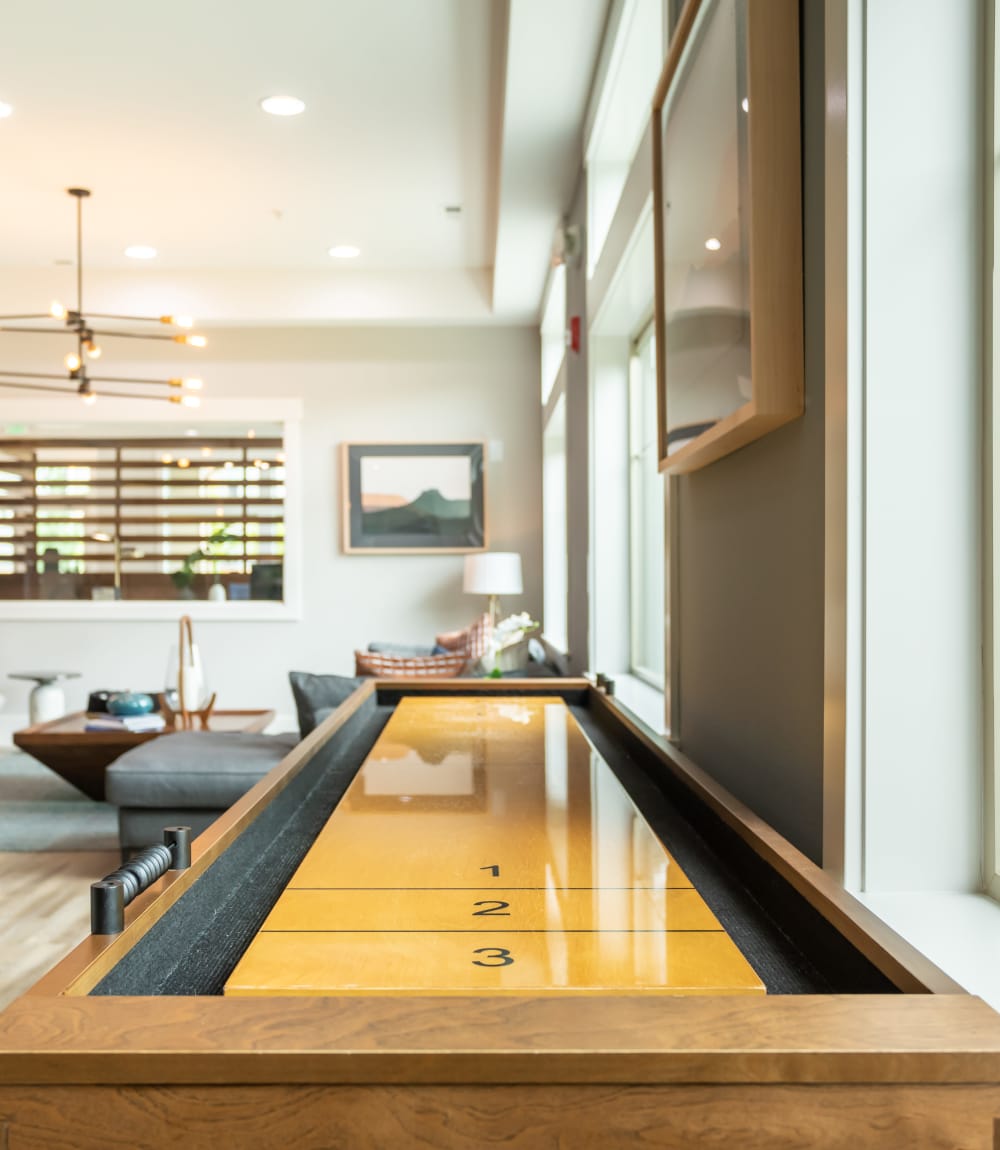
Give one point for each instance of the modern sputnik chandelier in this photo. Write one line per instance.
(88, 327)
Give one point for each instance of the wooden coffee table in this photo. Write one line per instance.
(81, 756)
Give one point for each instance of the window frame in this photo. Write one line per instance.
(643, 336)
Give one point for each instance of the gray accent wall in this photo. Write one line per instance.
(750, 565)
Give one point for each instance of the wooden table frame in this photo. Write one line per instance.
(81, 757)
(916, 1069)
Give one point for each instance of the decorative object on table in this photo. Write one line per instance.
(47, 700)
(137, 724)
(416, 497)
(130, 703)
(85, 330)
(507, 649)
(187, 695)
(183, 577)
(727, 221)
(493, 573)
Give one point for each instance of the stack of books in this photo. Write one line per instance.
(138, 724)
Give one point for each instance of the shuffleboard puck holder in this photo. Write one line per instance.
(111, 895)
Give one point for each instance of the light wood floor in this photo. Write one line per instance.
(44, 910)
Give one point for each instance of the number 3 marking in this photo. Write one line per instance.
(497, 952)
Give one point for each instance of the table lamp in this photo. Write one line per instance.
(493, 573)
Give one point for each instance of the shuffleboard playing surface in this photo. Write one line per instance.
(486, 847)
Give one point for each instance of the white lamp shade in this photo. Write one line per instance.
(493, 573)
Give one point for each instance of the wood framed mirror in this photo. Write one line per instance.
(728, 230)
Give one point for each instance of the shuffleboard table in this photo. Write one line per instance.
(467, 914)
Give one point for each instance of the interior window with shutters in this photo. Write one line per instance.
(143, 517)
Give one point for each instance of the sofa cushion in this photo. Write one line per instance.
(198, 769)
(318, 693)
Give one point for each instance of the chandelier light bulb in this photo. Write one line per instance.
(192, 384)
(57, 311)
(183, 463)
(166, 459)
(92, 349)
(140, 252)
(177, 320)
(713, 244)
(191, 400)
(5, 110)
(191, 340)
(72, 362)
(89, 398)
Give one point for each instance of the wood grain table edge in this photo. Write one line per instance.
(808, 1039)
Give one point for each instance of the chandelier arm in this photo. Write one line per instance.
(133, 395)
(40, 330)
(38, 387)
(76, 392)
(36, 374)
(132, 318)
(131, 335)
(39, 315)
(128, 379)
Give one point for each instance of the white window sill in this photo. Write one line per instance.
(959, 932)
(644, 701)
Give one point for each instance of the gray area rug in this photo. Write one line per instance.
(41, 812)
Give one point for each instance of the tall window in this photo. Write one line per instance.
(554, 526)
(621, 113)
(151, 518)
(646, 528)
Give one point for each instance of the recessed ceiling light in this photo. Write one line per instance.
(345, 252)
(283, 105)
(713, 244)
(5, 110)
(140, 252)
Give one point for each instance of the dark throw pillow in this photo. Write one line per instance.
(318, 693)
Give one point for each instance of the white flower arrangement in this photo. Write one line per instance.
(506, 634)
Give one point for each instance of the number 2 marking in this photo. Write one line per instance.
(498, 952)
(491, 906)
(495, 870)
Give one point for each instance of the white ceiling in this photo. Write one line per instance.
(412, 105)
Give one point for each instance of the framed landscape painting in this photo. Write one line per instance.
(413, 497)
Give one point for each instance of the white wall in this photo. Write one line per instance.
(357, 384)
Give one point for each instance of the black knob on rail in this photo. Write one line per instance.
(178, 839)
(107, 907)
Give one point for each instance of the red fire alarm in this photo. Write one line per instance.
(574, 333)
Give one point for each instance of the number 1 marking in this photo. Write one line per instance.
(494, 870)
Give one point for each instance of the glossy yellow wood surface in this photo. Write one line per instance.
(485, 846)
